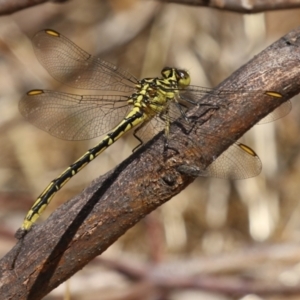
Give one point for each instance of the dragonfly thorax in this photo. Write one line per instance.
(154, 95)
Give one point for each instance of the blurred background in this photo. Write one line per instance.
(222, 232)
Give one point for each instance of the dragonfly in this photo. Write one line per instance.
(126, 103)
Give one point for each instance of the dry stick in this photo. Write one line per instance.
(89, 223)
(241, 6)
(10, 6)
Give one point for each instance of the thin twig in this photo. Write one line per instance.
(241, 6)
(254, 6)
(11, 6)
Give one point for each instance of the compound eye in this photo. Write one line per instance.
(183, 78)
(182, 74)
(166, 72)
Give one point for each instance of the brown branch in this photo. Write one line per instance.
(241, 6)
(86, 225)
(10, 6)
(254, 6)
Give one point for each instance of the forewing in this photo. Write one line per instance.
(71, 65)
(220, 97)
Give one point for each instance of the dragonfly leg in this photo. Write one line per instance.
(135, 134)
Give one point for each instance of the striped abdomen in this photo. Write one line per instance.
(133, 119)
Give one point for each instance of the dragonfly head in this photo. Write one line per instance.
(182, 77)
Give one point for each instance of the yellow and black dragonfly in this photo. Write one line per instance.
(126, 103)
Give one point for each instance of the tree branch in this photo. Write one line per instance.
(240, 6)
(254, 6)
(86, 225)
(11, 6)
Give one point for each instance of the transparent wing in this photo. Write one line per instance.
(71, 65)
(73, 117)
(278, 113)
(237, 162)
(195, 93)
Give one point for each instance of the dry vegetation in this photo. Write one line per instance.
(217, 239)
